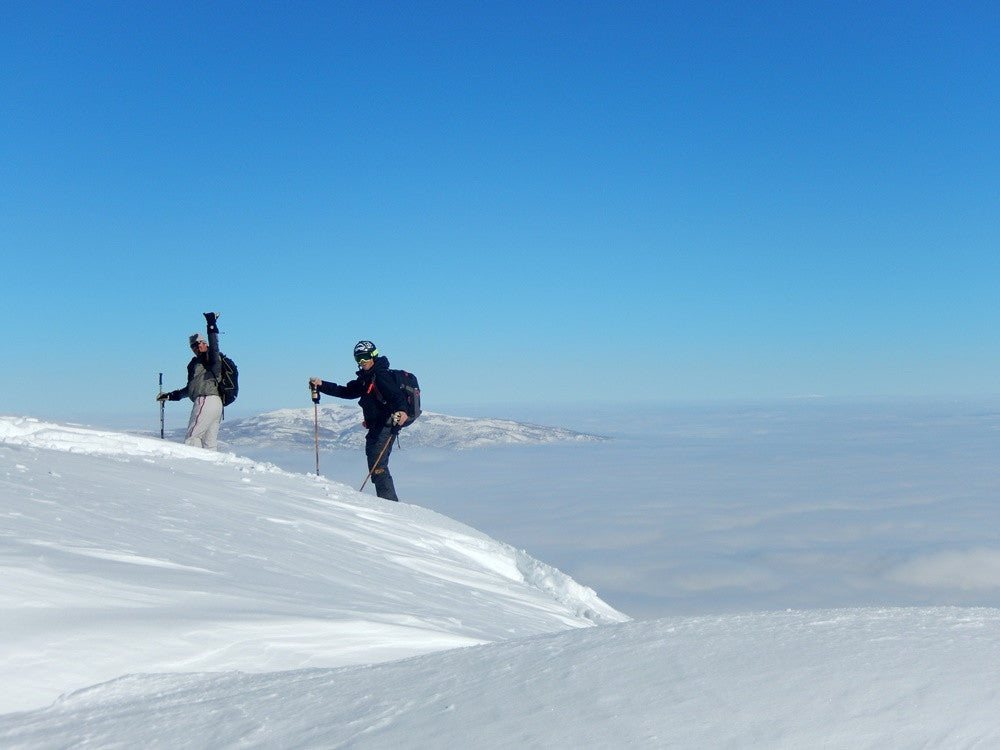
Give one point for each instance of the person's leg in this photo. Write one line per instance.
(379, 441)
(195, 423)
(213, 409)
(384, 486)
(203, 426)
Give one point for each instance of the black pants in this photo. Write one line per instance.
(377, 439)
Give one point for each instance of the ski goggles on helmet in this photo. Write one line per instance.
(362, 357)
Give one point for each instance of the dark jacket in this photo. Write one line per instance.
(376, 388)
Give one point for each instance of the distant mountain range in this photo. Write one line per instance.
(340, 427)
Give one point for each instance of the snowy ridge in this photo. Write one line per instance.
(157, 596)
(866, 678)
(34, 433)
(225, 563)
(340, 427)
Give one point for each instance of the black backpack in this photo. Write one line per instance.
(407, 383)
(229, 383)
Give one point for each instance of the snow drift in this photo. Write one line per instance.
(128, 554)
(160, 596)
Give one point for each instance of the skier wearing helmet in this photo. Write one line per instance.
(383, 406)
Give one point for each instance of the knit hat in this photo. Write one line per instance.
(196, 338)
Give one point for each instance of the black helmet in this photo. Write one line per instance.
(364, 350)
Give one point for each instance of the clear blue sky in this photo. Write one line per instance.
(520, 201)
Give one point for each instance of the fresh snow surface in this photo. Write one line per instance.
(161, 596)
(126, 554)
(830, 679)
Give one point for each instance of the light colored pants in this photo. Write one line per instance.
(203, 427)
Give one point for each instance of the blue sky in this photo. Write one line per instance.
(520, 201)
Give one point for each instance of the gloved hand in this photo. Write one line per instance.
(161, 397)
(211, 318)
(315, 383)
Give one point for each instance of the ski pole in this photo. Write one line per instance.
(392, 436)
(162, 404)
(315, 398)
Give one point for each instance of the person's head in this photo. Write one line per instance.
(197, 343)
(364, 354)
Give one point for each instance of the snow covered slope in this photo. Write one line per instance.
(158, 596)
(126, 554)
(848, 680)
